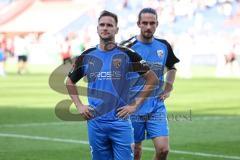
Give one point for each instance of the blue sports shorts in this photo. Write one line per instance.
(111, 140)
(150, 125)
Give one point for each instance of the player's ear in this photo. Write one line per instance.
(157, 23)
(138, 24)
(97, 29)
(117, 30)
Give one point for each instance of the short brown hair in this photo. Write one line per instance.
(107, 13)
(147, 10)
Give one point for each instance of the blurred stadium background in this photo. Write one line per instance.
(203, 33)
(204, 109)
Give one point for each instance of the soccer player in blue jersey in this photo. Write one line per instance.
(151, 116)
(106, 67)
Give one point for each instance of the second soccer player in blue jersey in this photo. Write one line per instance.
(151, 117)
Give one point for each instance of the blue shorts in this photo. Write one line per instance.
(111, 140)
(151, 125)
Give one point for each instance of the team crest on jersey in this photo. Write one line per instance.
(90, 62)
(160, 53)
(117, 62)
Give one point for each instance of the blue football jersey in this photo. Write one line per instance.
(158, 54)
(107, 75)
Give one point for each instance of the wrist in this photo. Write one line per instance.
(79, 106)
(168, 87)
(135, 104)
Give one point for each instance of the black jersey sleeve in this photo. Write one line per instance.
(130, 42)
(171, 58)
(79, 67)
(137, 64)
(77, 71)
(135, 60)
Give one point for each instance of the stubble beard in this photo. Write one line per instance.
(147, 37)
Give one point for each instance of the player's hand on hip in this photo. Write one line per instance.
(125, 111)
(85, 112)
(166, 92)
(164, 95)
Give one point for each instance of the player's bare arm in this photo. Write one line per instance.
(82, 109)
(151, 82)
(168, 84)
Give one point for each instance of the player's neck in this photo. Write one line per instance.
(143, 39)
(107, 45)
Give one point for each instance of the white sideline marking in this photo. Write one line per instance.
(197, 153)
(42, 138)
(86, 142)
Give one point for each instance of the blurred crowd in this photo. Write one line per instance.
(202, 32)
(41, 49)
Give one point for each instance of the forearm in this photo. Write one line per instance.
(73, 93)
(169, 80)
(151, 83)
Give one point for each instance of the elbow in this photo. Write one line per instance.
(69, 83)
(155, 79)
(71, 88)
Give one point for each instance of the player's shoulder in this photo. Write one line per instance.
(79, 59)
(130, 42)
(89, 50)
(129, 52)
(164, 41)
(125, 49)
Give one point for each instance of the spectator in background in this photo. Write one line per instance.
(2, 58)
(231, 61)
(76, 46)
(21, 50)
(125, 4)
(2, 54)
(230, 57)
(65, 51)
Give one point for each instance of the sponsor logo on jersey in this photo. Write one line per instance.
(110, 75)
(156, 66)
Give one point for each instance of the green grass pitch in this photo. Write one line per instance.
(30, 130)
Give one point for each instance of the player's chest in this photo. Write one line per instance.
(152, 54)
(107, 67)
